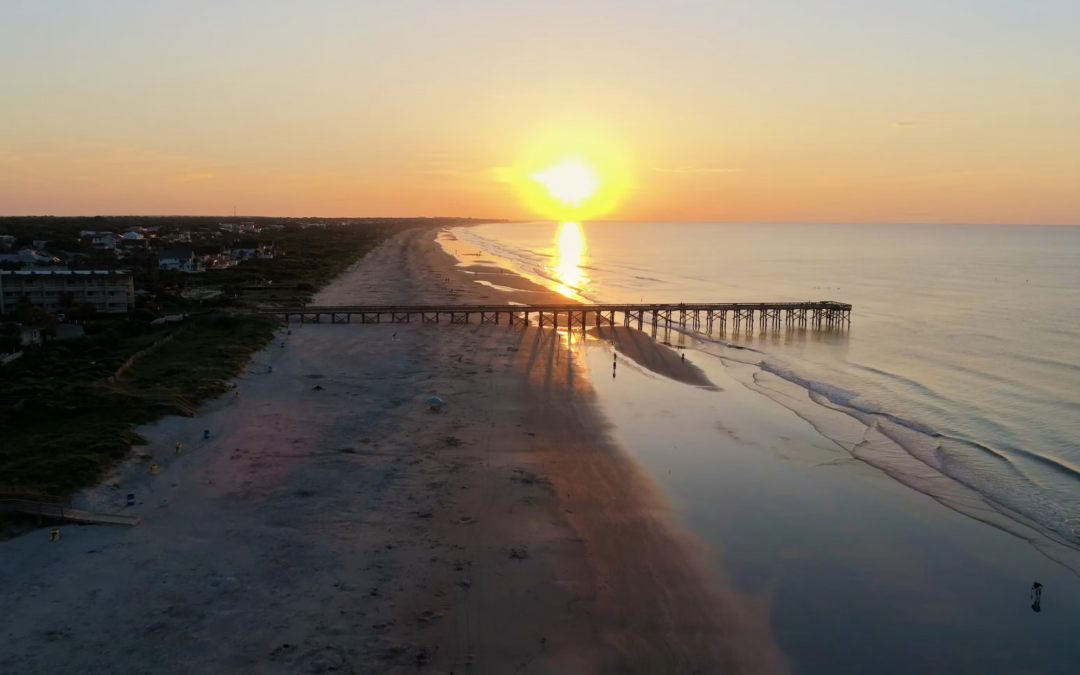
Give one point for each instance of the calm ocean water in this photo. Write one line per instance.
(964, 347)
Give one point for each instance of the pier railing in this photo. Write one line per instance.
(823, 314)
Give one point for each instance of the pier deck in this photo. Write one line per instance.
(816, 315)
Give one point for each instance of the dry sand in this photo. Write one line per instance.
(353, 530)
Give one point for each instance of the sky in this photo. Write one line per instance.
(946, 111)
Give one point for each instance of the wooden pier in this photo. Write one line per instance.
(694, 316)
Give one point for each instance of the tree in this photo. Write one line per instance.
(23, 309)
(49, 324)
(10, 337)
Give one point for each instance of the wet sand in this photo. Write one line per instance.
(353, 530)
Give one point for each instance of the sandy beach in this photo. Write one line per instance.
(351, 529)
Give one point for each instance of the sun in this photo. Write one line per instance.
(571, 182)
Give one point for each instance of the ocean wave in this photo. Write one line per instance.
(906, 381)
(847, 399)
(1003, 497)
(1048, 462)
(837, 395)
(1019, 502)
(703, 337)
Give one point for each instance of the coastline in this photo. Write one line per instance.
(352, 528)
(863, 550)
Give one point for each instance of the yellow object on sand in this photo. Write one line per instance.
(153, 469)
(54, 534)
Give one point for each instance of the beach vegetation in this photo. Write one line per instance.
(73, 425)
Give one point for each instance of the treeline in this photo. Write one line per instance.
(62, 229)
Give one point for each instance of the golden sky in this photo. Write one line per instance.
(817, 110)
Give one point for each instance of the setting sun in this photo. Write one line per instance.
(571, 182)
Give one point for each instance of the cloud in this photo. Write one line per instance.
(905, 124)
(695, 169)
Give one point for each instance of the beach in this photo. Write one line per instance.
(333, 522)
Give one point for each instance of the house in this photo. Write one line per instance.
(240, 228)
(181, 237)
(31, 336)
(132, 241)
(105, 241)
(108, 291)
(7, 241)
(182, 260)
(28, 256)
(214, 257)
(251, 249)
(39, 244)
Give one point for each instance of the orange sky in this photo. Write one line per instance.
(820, 110)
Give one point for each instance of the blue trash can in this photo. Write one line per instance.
(131, 499)
(206, 435)
(271, 369)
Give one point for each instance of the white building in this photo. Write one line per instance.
(108, 291)
(182, 260)
(31, 336)
(105, 241)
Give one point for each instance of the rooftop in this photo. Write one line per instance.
(65, 272)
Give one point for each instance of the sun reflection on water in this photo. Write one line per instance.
(568, 272)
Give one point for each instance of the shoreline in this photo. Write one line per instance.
(891, 448)
(832, 534)
(612, 506)
(365, 533)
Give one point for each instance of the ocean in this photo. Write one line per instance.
(959, 378)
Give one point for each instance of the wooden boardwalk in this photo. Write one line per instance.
(695, 316)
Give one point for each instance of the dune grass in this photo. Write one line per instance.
(73, 440)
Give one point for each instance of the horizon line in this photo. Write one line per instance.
(550, 220)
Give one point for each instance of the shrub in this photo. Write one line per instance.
(142, 315)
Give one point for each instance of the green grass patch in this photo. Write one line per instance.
(199, 362)
(59, 450)
(59, 366)
(86, 428)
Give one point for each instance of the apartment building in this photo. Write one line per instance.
(109, 291)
